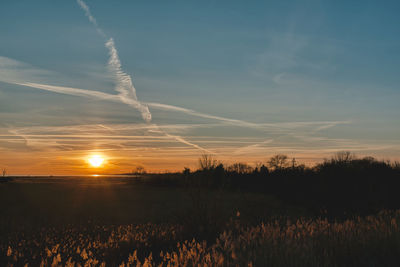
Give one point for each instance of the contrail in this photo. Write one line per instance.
(90, 17)
(71, 91)
(127, 95)
(180, 139)
(124, 85)
(135, 103)
(160, 106)
(249, 147)
(110, 97)
(203, 115)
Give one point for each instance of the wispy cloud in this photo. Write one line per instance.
(12, 71)
(320, 125)
(180, 139)
(124, 85)
(90, 17)
(126, 93)
(146, 143)
(77, 137)
(130, 101)
(250, 148)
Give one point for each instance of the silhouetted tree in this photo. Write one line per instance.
(343, 157)
(186, 171)
(340, 186)
(139, 170)
(207, 162)
(240, 168)
(278, 162)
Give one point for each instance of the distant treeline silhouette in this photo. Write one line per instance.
(339, 186)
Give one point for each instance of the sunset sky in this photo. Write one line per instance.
(241, 80)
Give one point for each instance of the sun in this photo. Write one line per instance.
(96, 160)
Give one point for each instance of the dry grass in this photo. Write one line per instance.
(368, 241)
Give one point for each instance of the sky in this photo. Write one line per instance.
(159, 83)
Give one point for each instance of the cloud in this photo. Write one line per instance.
(127, 95)
(83, 137)
(250, 148)
(12, 70)
(90, 17)
(180, 139)
(129, 101)
(150, 142)
(136, 104)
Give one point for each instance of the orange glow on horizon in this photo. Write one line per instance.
(119, 162)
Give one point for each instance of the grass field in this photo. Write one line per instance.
(112, 221)
(37, 201)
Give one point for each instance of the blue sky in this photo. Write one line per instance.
(301, 78)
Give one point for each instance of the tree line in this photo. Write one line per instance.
(343, 184)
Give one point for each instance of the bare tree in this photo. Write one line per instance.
(240, 168)
(278, 161)
(343, 157)
(207, 162)
(139, 170)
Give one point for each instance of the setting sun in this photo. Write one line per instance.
(96, 160)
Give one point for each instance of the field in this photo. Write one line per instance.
(37, 201)
(112, 221)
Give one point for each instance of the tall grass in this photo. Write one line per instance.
(361, 241)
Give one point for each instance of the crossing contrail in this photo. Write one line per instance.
(123, 83)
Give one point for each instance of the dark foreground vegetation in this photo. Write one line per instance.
(342, 212)
(369, 241)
